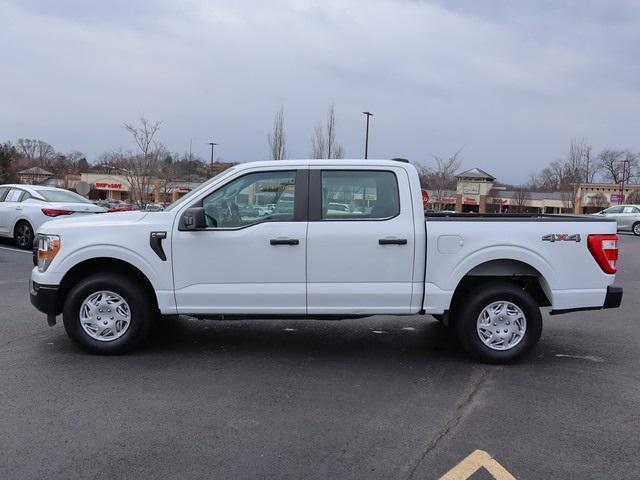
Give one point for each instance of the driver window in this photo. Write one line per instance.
(250, 199)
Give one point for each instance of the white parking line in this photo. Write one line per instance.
(16, 250)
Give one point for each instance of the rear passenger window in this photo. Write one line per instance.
(359, 195)
(14, 195)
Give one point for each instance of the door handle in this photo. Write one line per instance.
(284, 241)
(18, 208)
(392, 241)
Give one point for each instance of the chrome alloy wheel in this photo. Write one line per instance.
(636, 229)
(501, 325)
(105, 316)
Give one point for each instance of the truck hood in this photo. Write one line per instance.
(91, 221)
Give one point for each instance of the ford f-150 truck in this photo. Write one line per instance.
(321, 239)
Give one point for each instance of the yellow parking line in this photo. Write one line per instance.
(474, 462)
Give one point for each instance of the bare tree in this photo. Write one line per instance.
(592, 167)
(610, 162)
(521, 199)
(318, 144)
(323, 140)
(36, 151)
(440, 178)
(277, 138)
(598, 200)
(633, 197)
(565, 175)
(166, 175)
(140, 167)
(630, 167)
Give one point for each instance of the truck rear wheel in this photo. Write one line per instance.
(107, 313)
(497, 322)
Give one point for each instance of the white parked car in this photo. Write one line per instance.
(626, 216)
(23, 208)
(485, 276)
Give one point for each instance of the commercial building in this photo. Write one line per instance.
(34, 176)
(476, 192)
(118, 187)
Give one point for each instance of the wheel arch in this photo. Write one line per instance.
(514, 271)
(103, 264)
(22, 220)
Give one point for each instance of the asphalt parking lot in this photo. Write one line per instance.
(385, 397)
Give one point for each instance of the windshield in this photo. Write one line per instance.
(62, 196)
(197, 189)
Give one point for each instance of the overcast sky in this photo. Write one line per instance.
(510, 82)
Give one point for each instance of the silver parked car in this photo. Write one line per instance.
(627, 217)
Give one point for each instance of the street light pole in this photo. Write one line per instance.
(366, 141)
(213, 144)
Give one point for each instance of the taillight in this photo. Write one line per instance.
(604, 249)
(53, 212)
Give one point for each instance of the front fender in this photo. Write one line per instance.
(66, 263)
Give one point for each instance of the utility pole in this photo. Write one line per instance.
(189, 166)
(624, 173)
(366, 141)
(213, 144)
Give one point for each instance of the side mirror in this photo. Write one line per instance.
(193, 219)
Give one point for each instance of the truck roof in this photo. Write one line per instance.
(358, 162)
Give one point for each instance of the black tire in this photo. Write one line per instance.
(23, 235)
(469, 307)
(636, 229)
(142, 312)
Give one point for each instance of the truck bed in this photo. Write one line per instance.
(512, 217)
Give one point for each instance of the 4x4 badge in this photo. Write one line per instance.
(561, 237)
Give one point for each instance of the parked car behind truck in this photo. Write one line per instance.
(23, 208)
(627, 217)
(485, 276)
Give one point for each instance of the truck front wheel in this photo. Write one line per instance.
(107, 313)
(497, 322)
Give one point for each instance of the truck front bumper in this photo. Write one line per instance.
(612, 299)
(45, 298)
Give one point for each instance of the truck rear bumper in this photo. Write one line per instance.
(613, 299)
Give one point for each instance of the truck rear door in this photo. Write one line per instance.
(360, 241)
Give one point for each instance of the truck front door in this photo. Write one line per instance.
(360, 242)
(251, 257)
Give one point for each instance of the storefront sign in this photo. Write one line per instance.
(617, 198)
(109, 186)
(470, 201)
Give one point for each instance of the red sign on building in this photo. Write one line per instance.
(109, 186)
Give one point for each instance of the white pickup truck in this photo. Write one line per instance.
(321, 239)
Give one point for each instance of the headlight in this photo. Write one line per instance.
(48, 247)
